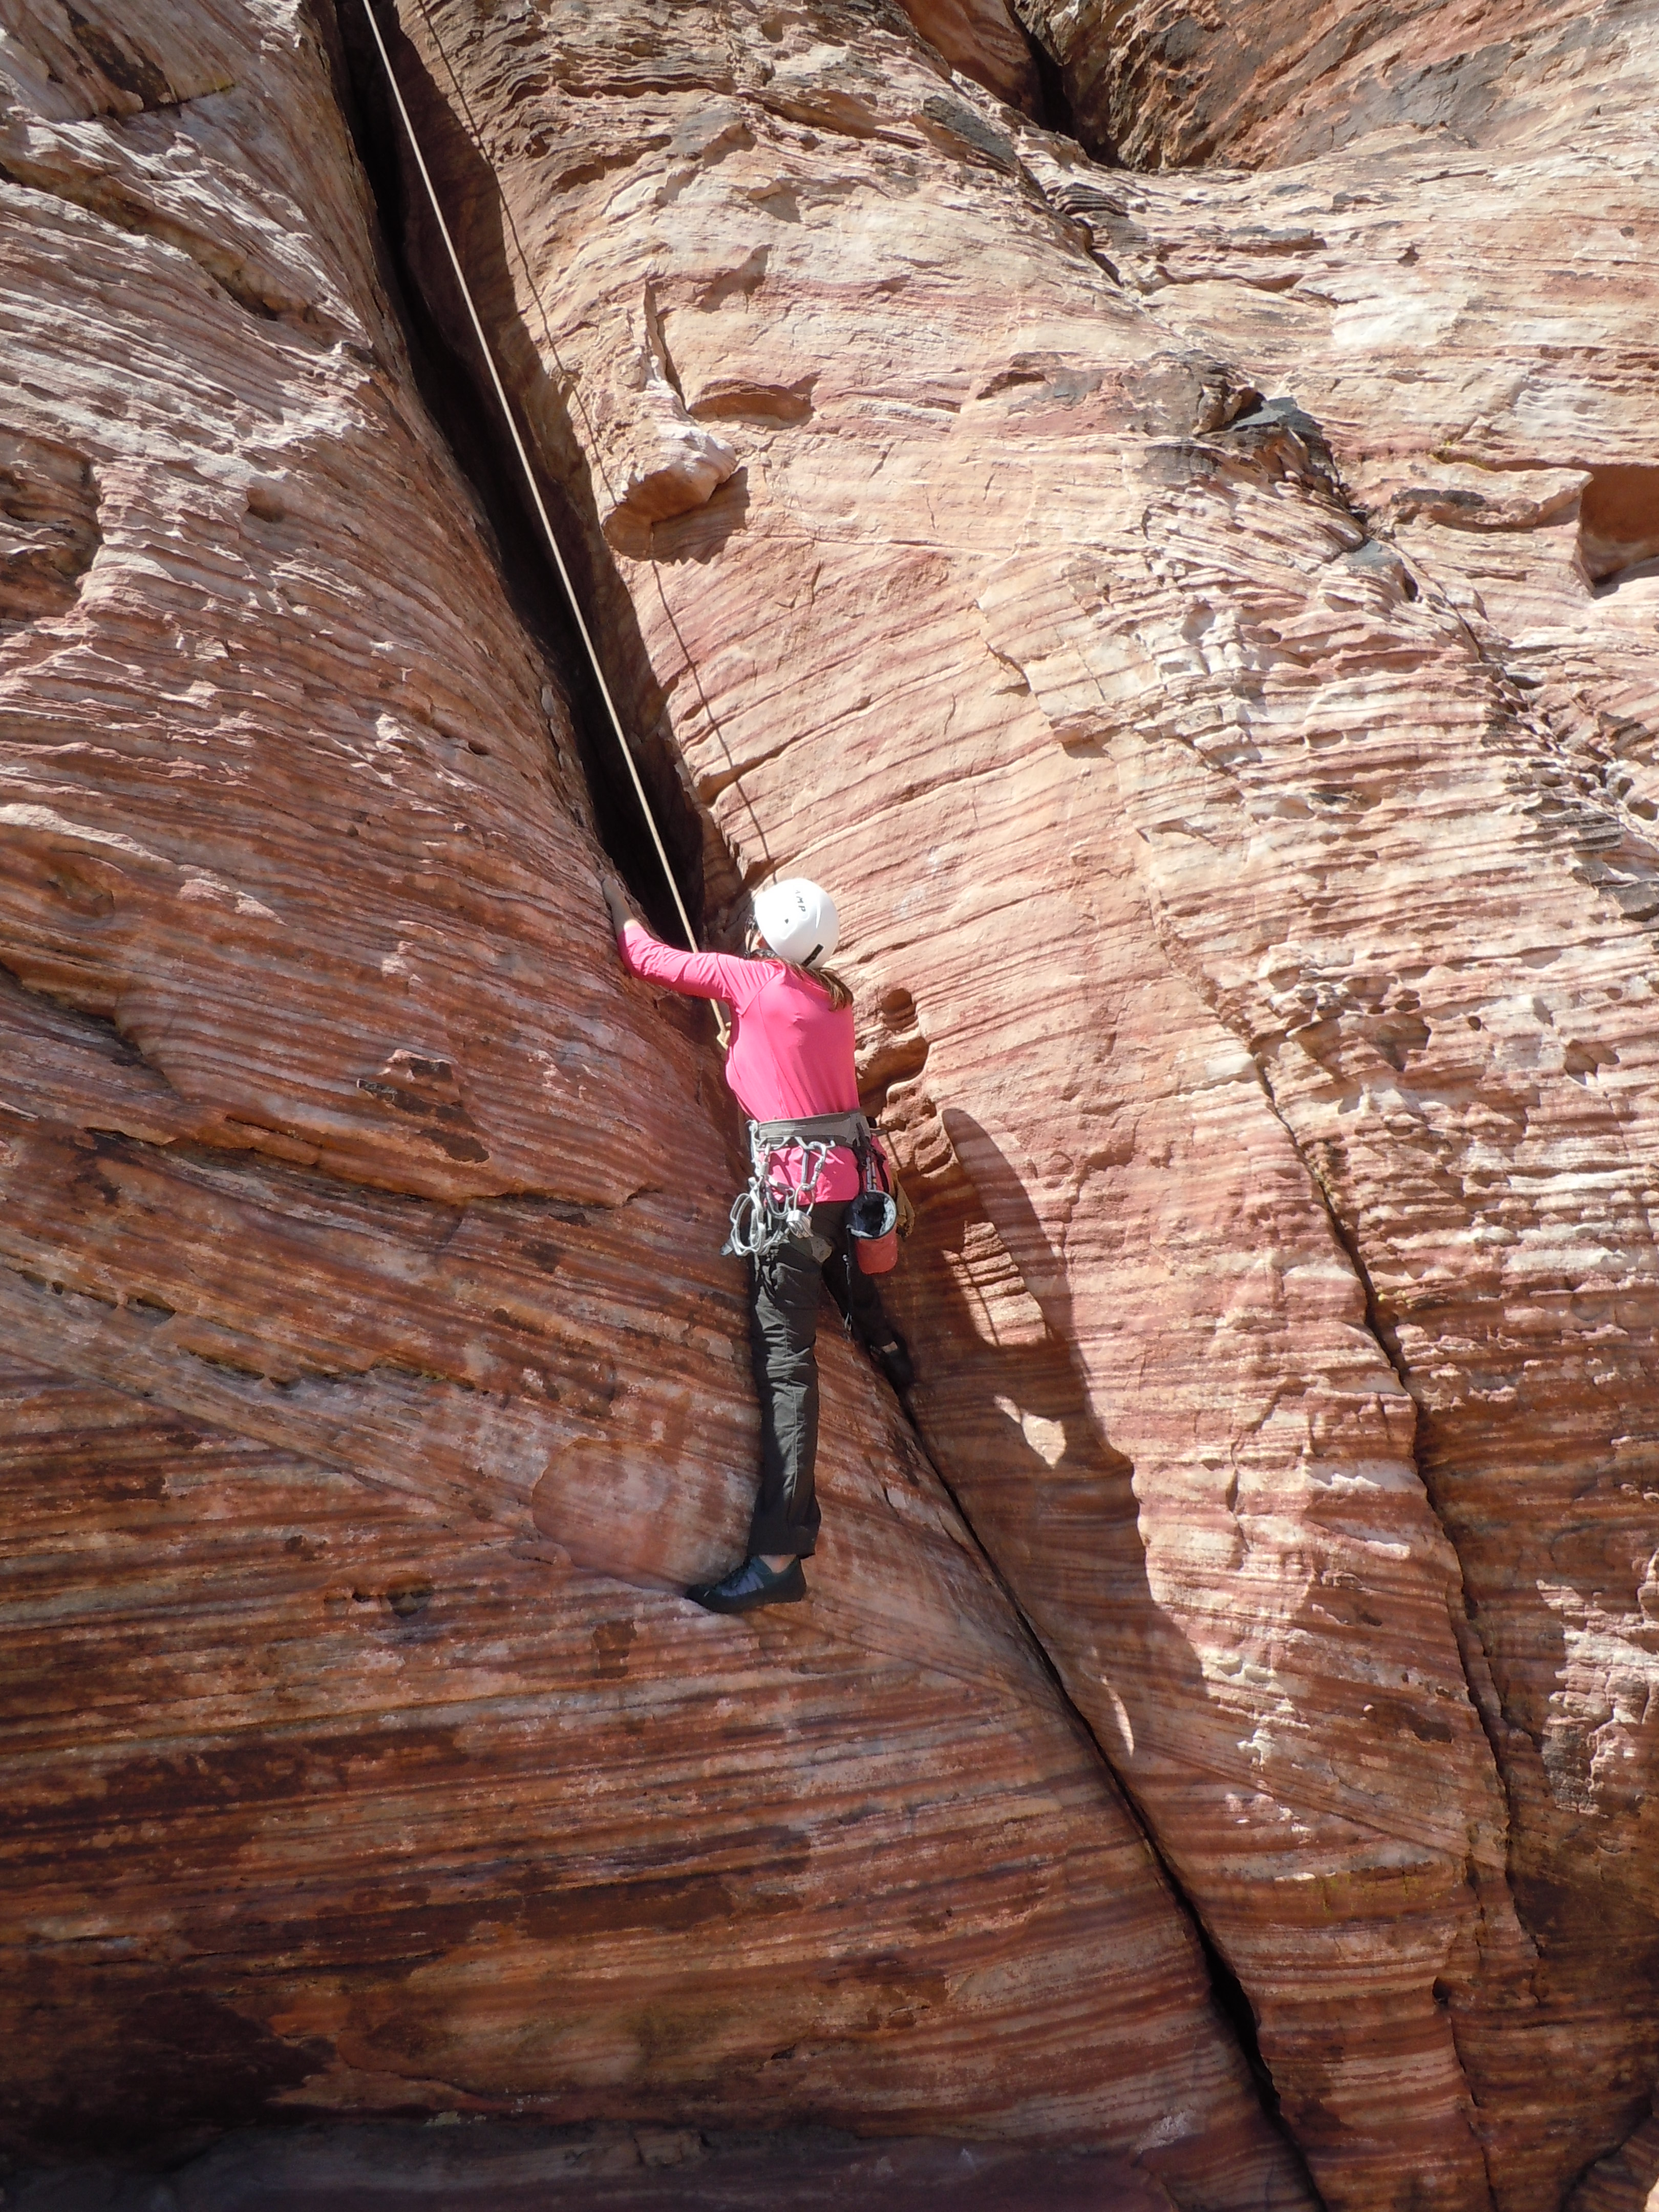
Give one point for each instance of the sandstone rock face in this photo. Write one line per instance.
(1200, 624)
(982, 39)
(1474, 376)
(1251, 908)
(510, 2166)
(1162, 84)
(1625, 2180)
(371, 1378)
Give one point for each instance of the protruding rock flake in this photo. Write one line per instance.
(1191, 590)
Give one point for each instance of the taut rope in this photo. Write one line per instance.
(511, 422)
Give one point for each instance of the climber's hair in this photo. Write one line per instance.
(840, 990)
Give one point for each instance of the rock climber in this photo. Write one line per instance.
(790, 1063)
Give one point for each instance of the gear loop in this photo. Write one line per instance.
(766, 1213)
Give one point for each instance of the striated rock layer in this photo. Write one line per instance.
(510, 2166)
(1251, 914)
(370, 1379)
(1163, 83)
(1200, 623)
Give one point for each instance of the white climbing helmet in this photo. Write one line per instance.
(798, 919)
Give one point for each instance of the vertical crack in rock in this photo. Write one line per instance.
(1477, 1670)
(443, 351)
(1231, 2000)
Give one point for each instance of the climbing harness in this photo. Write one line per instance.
(511, 420)
(768, 1212)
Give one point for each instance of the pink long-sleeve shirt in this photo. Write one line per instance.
(791, 1054)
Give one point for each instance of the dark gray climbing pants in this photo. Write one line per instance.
(784, 1290)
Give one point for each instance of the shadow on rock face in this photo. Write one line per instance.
(1006, 1415)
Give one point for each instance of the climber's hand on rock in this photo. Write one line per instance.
(617, 902)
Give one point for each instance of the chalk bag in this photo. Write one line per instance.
(872, 1222)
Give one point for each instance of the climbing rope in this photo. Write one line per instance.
(519, 447)
(595, 451)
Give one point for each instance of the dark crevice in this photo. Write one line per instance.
(1054, 102)
(1234, 2004)
(453, 388)
(1442, 1995)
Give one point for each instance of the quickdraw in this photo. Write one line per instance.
(767, 1213)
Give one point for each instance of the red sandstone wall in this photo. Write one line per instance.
(1241, 819)
(1166, 83)
(1245, 948)
(371, 1378)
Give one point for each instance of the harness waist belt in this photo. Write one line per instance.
(852, 1129)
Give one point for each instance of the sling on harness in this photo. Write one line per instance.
(768, 1212)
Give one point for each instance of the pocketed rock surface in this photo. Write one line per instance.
(1198, 623)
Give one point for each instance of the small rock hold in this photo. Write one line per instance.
(1282, 414)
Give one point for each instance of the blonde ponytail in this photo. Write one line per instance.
(840, 990)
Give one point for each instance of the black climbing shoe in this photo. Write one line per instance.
(751, 1584)
(894, 1360)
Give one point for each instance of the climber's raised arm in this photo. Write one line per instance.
(694, 975)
